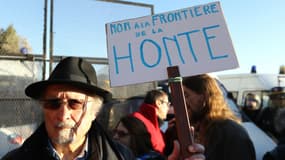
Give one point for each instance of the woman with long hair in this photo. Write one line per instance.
(216, 126)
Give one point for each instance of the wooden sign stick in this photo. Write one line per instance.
(185, 136)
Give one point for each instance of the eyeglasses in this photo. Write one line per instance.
(168, 103)
(252, 100)
(54, 104)
(120, 133)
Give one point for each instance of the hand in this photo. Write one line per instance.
(196, 150)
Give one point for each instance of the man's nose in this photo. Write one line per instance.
(64, 112)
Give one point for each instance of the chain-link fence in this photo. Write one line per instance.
(20, 115)
(15, 112)
(18, 119)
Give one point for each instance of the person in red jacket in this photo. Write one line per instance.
(152, 112)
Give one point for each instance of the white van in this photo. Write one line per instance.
(239, 85)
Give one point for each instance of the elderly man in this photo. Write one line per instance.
(71, 99)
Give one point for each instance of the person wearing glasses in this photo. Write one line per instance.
(152, 112)
(131, 132)
(70, 101)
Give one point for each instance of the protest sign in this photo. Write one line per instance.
(196, 39)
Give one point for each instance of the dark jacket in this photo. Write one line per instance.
(278, 153)
(101, 147)
(226, 140)
(265, 121)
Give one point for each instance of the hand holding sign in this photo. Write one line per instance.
(194, 39)
(181, 116)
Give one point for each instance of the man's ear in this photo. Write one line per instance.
(157, 103)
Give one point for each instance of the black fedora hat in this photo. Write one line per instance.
(73, 71)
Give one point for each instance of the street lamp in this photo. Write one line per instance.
(51, 27)
(132, 3)
(44, 39)
(51, 37)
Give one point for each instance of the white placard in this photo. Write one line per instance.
(196, 39)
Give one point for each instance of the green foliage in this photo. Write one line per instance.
(11, 42)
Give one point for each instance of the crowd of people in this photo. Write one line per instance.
(264, 117)
(271, 119)
(216, 126)
(71, 101)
